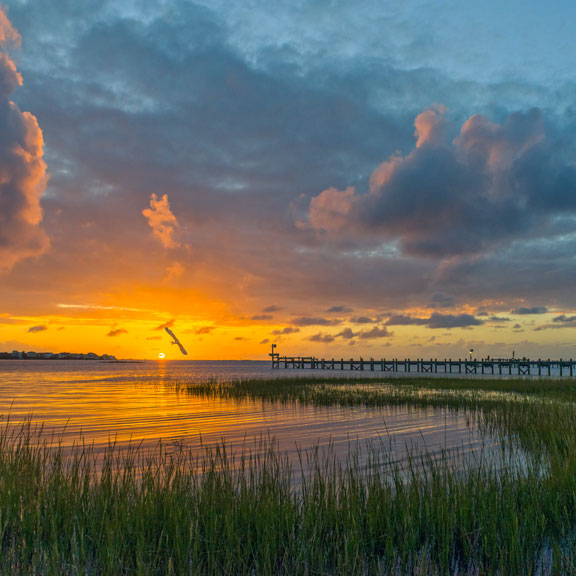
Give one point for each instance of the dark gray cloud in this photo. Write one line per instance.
(563, 319)
(347, 334)
(322, 338)
(285, 331)
(363, 320)
(436, 320)
(375, 333)
(270, 309)
(339, 310)
(314, 321)
(530, 310)
(453, 321)
(405, 320)
(260, 317)
(39, 328)
(372, 334)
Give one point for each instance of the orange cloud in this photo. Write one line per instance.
(9, 36)
(162, 220)
(117, 332)
(329, 210)
(168, 324)
(23, 174)
(430, 126)
(174, 270)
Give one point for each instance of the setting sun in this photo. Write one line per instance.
(161, 355)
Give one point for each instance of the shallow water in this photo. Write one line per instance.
(133, 403)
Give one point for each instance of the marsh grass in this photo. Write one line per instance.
(131, 511)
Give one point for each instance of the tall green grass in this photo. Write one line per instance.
(222, 512)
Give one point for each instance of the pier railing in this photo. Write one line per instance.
(500, 367)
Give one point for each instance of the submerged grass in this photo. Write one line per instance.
(136, 512)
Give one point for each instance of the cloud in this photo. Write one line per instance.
(162, 220)
(270, 309)
(339, 310)
(489, 185)
(285, 331)
(561, 321)
(168, 324)
(329, 210)
(363, 320)
(174, 270)
(9, 36)
(97, 307)
(528, 311)
(258, 317)
(202, 330)
(435, 321)
(347, 334)
(40, 328)
(453, 321)
(404, 320)
(314, 321)
(375, 333)
(320, 337)
(564, 319)
(23, 175)
(441, 300)
(117, 332)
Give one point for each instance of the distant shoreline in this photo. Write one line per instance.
(21, 355)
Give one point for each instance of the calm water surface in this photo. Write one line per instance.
(133, 403)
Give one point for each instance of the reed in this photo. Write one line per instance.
(223, 512)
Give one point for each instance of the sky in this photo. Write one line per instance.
(342, 179)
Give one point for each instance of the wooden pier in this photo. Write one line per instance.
(495, 367)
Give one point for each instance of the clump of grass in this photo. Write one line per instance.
(222, 512)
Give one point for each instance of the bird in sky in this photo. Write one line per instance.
(176, 341)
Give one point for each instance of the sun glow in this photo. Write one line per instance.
(161, 355)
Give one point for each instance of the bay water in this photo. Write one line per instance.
(144, 403)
